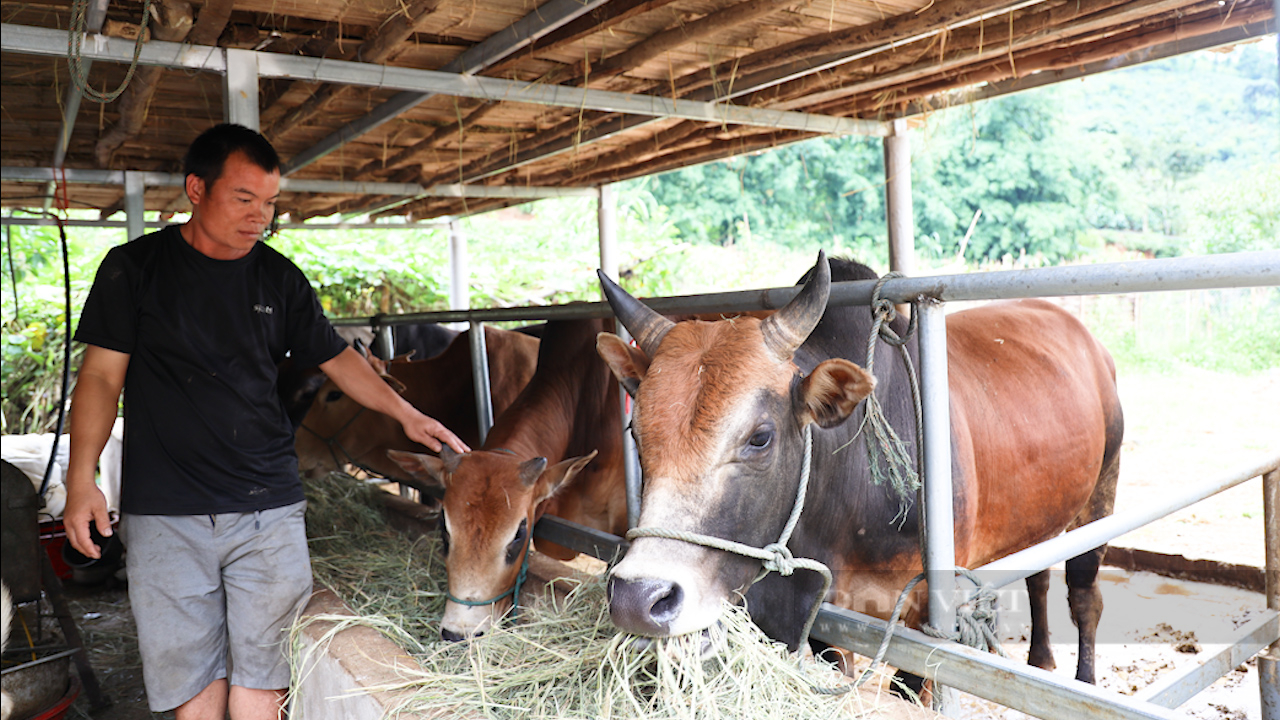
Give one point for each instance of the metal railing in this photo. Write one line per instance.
(1001, 680)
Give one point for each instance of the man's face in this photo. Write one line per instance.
(229, 216)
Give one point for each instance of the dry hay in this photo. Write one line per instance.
(563, 659)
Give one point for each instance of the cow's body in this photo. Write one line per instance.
(337, 431)
(1036, 430)
(537, 459)
(298, 386)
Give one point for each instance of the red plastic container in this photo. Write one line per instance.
(52, 537)
(58, 710)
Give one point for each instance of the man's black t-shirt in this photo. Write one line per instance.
(205, 431)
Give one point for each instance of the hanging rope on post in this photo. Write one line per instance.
(886, 452)
(75, 51)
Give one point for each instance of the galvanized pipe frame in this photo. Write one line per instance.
(1250, 269)
(1022, 688)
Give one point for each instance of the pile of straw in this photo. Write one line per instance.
(564, 658)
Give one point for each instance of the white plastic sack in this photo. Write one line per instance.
(30, 454)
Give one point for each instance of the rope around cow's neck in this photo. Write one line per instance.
(332, 441)
(774, 557)
(513, 591)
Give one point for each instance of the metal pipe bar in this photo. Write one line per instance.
(480, 376)
(94, 19)
(134, 206)
(897, 196)
(1253, 269)
(596, 543)
(1002, 680)
(343, 187)
(240, 88)
(1175, 688)
(1269, 660)
(936, 506)
(75, 222)
(46, 42)
(1086, 537)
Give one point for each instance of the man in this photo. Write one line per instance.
(190, 322)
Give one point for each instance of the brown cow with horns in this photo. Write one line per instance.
(720, 414)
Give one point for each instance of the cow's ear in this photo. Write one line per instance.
(832, 391)
(427, 469)
(395, 384)
(629, 364)
(559, 475)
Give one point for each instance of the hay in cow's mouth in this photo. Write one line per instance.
(564, 658)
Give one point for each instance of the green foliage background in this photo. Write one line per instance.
(1169, 158)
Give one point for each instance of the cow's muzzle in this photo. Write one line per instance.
(645, 606)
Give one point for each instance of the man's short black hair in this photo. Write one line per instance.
(209, 152)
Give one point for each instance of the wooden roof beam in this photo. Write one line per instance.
(974, 45)
(518, 35)
(652, 47)
(1174, 37)
(173, 23)
(379, 47)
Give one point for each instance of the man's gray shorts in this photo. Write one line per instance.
(205, 585)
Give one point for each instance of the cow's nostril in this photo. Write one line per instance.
(645, 606)
(666, 607)
(450, 636)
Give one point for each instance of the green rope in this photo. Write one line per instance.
(891, 464)
(774, 557)
(976, 619)
(75, 52)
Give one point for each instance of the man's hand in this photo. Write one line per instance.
(86, 505)
(431, 432)
(357, 378)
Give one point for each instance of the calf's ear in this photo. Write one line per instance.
(560, 474)
(832, 391)
(428, 470)
(629, 364)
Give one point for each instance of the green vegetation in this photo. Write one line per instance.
(1170, 158)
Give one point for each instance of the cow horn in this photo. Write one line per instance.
(786, 329)
(645, 325)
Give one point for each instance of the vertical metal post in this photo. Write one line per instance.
(384, 343)
(94, 18)
(134, 206)
(607, 219)
(459, 272)
(898, 211)
(240, 88)
(1269, 660)
(937, 505)
(480, 371)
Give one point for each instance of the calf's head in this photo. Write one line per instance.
(491, 503)
(338, 430)
(719, 415)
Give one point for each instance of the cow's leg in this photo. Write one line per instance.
(1085, 600)
(1041, 654)
(1083, 594)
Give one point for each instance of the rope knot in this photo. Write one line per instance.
(780, 561)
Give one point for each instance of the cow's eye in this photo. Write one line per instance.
(517, 543)
(760, 439)
(333, 396)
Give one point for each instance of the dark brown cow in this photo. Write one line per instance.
(720, 410)
(537, 459)
(297, 386)
(337, 430)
